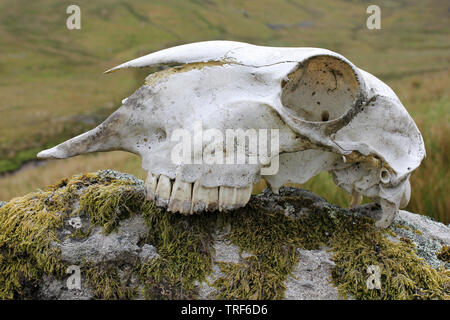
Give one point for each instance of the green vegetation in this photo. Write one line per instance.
(185, 248)
(30, 225)
(444, 254)
(106, 284)
(29, 228)
(52, 86)
(356, 245)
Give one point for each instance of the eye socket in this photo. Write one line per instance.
(323, 88)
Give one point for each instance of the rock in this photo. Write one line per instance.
(294, 245)
(148, 252)
(114, 247)
(311, 277)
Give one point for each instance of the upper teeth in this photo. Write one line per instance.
(187, 198)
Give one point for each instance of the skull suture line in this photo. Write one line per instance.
(330, 116)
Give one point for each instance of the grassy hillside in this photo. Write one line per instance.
(52, 86)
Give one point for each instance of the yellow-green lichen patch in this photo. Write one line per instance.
(185, 247)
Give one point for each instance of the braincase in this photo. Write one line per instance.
(322, 88)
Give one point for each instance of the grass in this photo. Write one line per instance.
(52, 86)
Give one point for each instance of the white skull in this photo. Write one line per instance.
(330, 116)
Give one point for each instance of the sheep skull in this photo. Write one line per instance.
(325, 113)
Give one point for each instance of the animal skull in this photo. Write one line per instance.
(329, 115)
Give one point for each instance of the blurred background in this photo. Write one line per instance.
(52, 85)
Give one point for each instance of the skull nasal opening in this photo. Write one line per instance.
(321, 89)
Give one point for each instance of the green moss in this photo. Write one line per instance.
(357, 245)
(29, 226)
(27, 229)
(106, 283)
(105, 199)
(185, 247)
(80, 233)
(272, 238)
(107, 204)
(444, 254)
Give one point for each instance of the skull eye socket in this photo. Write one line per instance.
(323, 88)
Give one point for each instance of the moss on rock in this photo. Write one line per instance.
(186, 253)
(29, 225)
(269, 229)
(27, 230)
(107, 283)
(444, 254)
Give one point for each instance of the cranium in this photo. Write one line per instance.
(329, 114)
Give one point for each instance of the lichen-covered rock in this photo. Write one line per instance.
(294, 245)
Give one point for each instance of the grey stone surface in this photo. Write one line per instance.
(311, 277)
(98, 247)
(148, 252)
(429, 236)
(429, 228)
(54, 289)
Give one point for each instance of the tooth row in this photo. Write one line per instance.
(188, 198)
